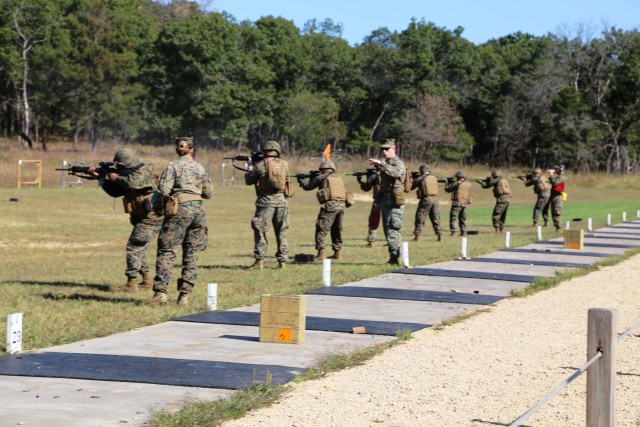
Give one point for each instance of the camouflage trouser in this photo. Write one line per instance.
(374, 222)
(188, 228)
(555, 202)
(541, 207)
(392, 224)
(428, 206)
(279, 217)
(329, 222)
(458, 212)
(145, 228)
(499, 215)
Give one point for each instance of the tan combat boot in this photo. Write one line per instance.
(369, 244)
(147, 280)
(258, 265)
(463, 233)
(131, 286)
(439, 237)
(392, 261)
(282, 265)
(159, 298)
(320, 255)
(336, 255)
(183, 299)
(416, 238)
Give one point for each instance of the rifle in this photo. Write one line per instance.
(254, 157)
(415, 175)
(527, 177)
(366, 173)
(486, 180)
(103, 169)
(301, 176)
(447, 181)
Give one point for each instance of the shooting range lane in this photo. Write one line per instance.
(206, 354)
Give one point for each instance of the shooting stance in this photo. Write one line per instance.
(502, 193)
(270, 175)
(558, 180)
(460, 190)
(372, 182)
(393, 175)
(427, 193)
(541, 189)
(183, 185)
(332, 198)
(136, 188)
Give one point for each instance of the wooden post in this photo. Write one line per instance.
(601, 376)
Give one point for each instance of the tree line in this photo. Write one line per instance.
(147, 71)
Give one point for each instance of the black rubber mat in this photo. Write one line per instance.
(421, 271)
(590, 244)
(618, 233)
(604, 235)
(313, 323)
(531, 262)
(148, 370)
(571, 252)
(406, 294)
(628, 227)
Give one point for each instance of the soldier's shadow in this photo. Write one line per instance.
(98, 287)
(81, 297)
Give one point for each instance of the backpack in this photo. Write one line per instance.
(276, 173)
(408, 181)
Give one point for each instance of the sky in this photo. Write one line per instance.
(482, 20)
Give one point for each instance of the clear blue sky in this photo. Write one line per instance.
(482, 20)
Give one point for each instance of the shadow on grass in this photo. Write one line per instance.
(80, 297)
(103, 288)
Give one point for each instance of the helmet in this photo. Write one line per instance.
(460, 174)
(424, 168)
(537, 171)
(126, 157)
(327, 164)
(496, 174)
(183, 144)
(271, 146)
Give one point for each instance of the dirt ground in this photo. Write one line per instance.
(484, 371)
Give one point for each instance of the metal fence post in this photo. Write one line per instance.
(601, 376)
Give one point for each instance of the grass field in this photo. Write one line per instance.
(62, 249)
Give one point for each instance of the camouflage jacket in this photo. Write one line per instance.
(392, 175)
(558, 183)
(493, 183)
(320, 182)
(258, 177)
(139, 183)
(372, 183)
(540, 185)
(187, 177)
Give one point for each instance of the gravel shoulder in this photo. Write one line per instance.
(484, 371)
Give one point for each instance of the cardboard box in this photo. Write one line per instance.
(574, 239)
(282, 319)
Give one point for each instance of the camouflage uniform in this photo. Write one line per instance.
(137, 189)
(541, 189)
(502, 193)
(558, 182)
(392, 176)
(271, 208)
(187, 181)
(460, 190)
(372, 183)
(331, 212)
(428, 204)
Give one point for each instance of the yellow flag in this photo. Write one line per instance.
(327, 152)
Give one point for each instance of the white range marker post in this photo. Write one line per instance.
(567, 225)
(608, 219)
(326, 272)
(539, 233)
(507, 239)
(464, 247)
(638, 214)
(624, 217)
(212, 296)
(14, 333)
(589, 225)
(405, 254)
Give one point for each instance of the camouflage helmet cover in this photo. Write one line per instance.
(126, 157)
(271, 146)
(424, 168)
(389, 143)
(496, 174)
(327, 164)
(461, 174)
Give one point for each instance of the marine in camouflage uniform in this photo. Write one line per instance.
(137, 189)
(186, 183)
(502, 193)
(331, 212)
(372, 183)
(391, 197)
(427, 192)
(541, 189)
(460, 190)
(558, 180)
(272, 207)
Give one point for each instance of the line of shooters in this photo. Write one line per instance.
(171, 206)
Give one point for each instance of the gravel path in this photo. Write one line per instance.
(484, 371)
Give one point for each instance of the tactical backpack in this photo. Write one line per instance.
(276, 173)
(503, 187)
